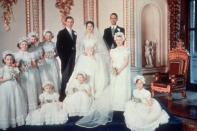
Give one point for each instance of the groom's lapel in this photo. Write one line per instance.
(67, 33)
(74, 35)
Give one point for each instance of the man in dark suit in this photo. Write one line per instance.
(66, 49)
(109, 32)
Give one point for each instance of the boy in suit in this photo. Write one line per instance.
(66, 49)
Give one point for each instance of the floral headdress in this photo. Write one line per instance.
(6, 52)
(32, 34)
(139, 77)
(48, 31)
(119, 34)
(23, 39)
(47, 83)
(85, 76)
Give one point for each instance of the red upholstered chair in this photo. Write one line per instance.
(175, 79)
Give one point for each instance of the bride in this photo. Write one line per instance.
(93, 59)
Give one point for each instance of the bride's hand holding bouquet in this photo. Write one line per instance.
(114, 71)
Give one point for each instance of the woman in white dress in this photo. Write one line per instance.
(50, 112)
(29, 78)
(79, 97)
(51, 65)
(93, 59)
(13, 108)
(121, 91)
(143, 113)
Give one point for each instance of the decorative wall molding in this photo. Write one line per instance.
(43, 14)
(91, 11)
(132, 32)
(126, 19)
(128, 13)
(35, 16)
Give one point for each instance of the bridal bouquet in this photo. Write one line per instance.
(115, 71)
(40, 62)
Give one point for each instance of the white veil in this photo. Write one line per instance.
(100, 113)
(101, 110)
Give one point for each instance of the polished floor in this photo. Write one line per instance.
(184, 109)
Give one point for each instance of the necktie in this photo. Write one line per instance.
(113, 31)
(70, 33)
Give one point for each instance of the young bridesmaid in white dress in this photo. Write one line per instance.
(121, 92)
(143, 113)
(50, 112)
(79, 97)
(29, 78)
(51, 66)
(13, 108)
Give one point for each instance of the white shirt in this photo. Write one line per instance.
(69, 31)
(113, 26)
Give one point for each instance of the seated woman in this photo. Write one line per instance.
(79, 98)
(143, 113)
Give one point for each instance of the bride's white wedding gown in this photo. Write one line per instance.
(93, 65)
(93, 59)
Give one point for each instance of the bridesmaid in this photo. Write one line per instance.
(121, 91)
(51, 65)
(30, 79)
(143, 113)
(13, 105)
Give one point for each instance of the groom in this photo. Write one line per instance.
(66, 41)
(110, 32)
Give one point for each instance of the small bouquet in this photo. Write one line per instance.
(90, 52)
(40, 61)
(136, 100)
(48, 101)
(115, 71)
(75, 90)
(49, 54)
(24, 66)
(14, 74)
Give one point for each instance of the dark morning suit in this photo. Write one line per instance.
(66, 50)
(109, 38)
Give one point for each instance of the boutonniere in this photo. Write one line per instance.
(75, 33)
(115, 71)
(118, 29)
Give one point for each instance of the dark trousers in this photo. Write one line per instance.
(66, 73)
